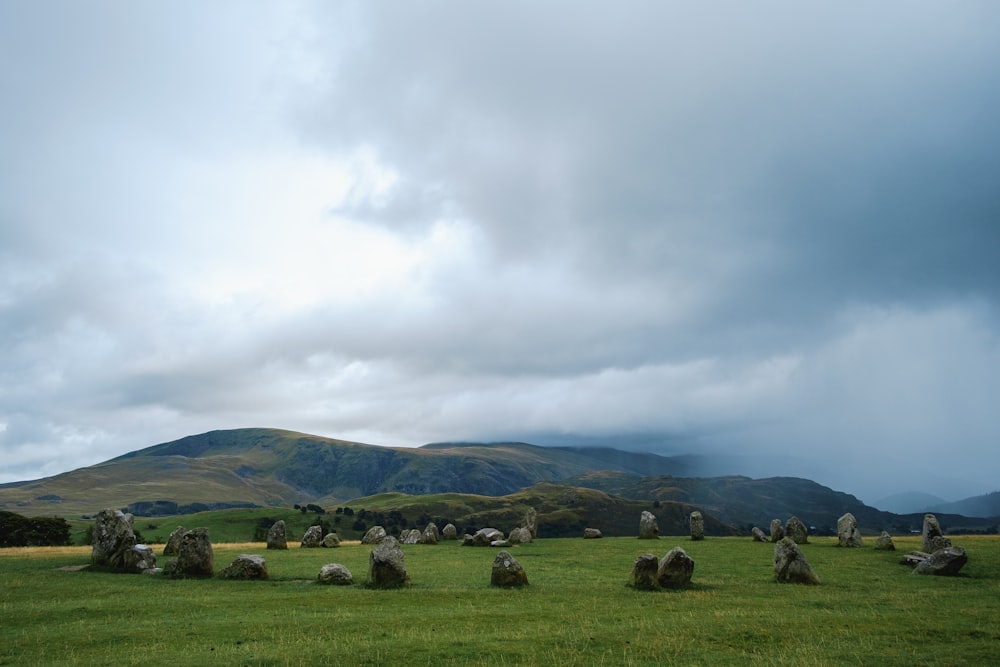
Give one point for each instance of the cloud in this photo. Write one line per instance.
(764, 233)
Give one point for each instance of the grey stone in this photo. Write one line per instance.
(519, 536)
(139, 558)
(449, 532)
(943, 562)
(777, 530)
(174, 541)
(277, 536)
(331, 540)
(387, 565)
(648, 529)
(592, 534)
(113, 540)
(374, 535)
(411, 536)
(758, 535)
(486, 536)
(884, 542)
(430, 534)
(531, 521)
(335, 574)
(790, 565)
(796, 529)
(245, 567)
(932, 530)
(848, 534)
(507, 572)
(697, 522)
(468, 540)
(643, 575)
(675, 569)
(500, 543)
(312, 538)
(195, 557)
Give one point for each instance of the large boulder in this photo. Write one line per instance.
(411, 536)
(943, 562)
(507, 572)
(648, 529)
(484, 537)
(245, 567)
(141, 559)
(335, 574)
(387, 565)
(790, 565)
(430, 534)
(113, 540)
(195, 557)
(331, 540)
(796, 529)
(449, 532)
(758, 535)
(697, 526)
(848, 534)
(174, 541)
(374, 535)
(592, 533)
(277, 536)
(519, 536)
(643, 575)
(777, 530)
(675, 569)
(312, 538)
(932, 536)
(884, 542)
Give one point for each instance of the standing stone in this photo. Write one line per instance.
(374, 535)
(592, 534)
(113, 540)
(245, 567)
(312, 538)
(276, 535)
(386, 565)
(195, 557)
(519, 536)
(449, 532)
(944, 562)
(648, 530)
(796, 529)
(643, 575)
(790, 566)
(884, 542)
(758, 535)
(174, 541)
(932, 535)
(335, 574)
(777, 531)
(331, 540)
(531, 521)
(675, 569)
(484, 537)
(430, 534)
(697, 526)
(411, 536)
(507, 572)
(848, 534)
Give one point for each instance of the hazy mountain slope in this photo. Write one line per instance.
(743, 502)
(909, 502)
(985, 506)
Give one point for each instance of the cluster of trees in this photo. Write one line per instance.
(41, 531)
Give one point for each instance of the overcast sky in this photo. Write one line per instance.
(750, 230)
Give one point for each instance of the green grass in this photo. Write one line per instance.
(576, 611)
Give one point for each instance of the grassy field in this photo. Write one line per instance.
(577, 609)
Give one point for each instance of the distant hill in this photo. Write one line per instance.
(909, 502)
(985, 506)
(259, 466)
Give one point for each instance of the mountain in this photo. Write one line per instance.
(262, 466)
(985, 506)
(909, 502)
